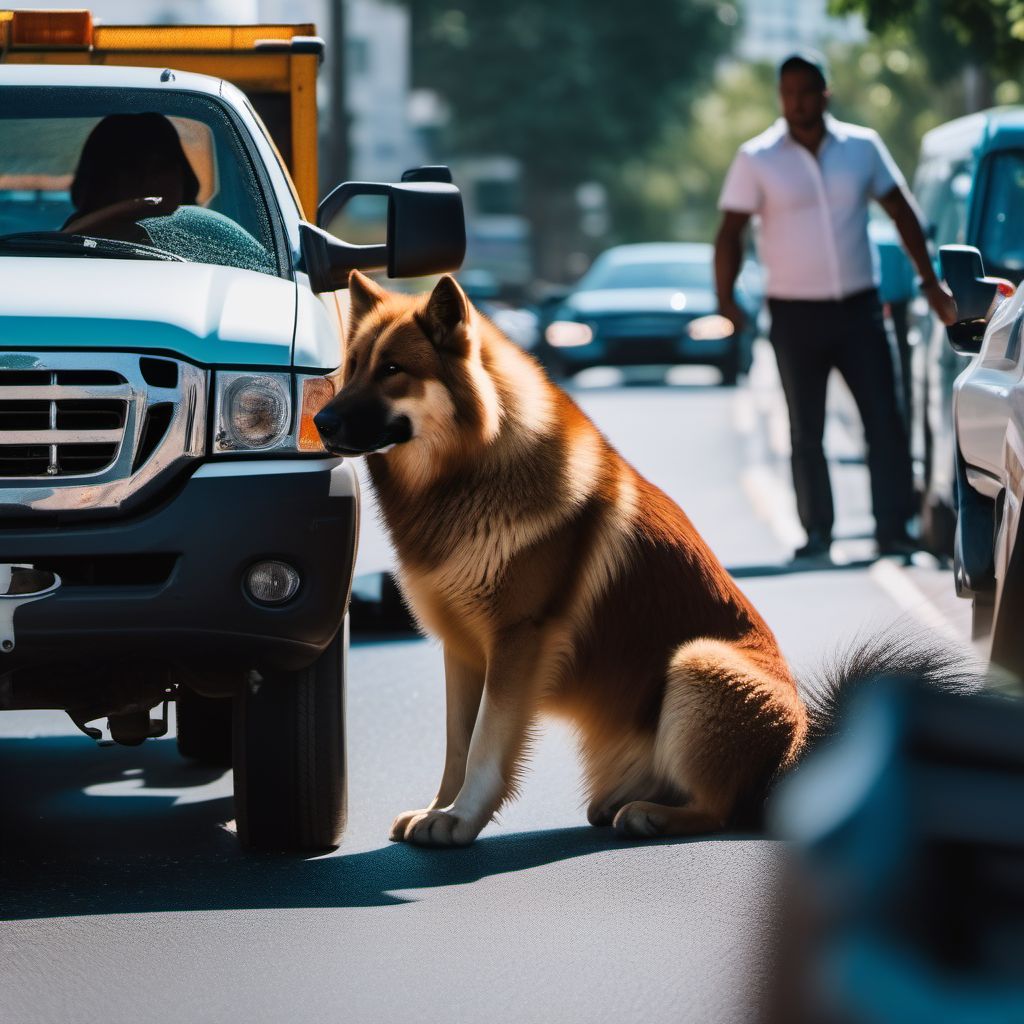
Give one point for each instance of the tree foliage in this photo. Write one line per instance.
(569, 87)
(573, 89)
(952, 34)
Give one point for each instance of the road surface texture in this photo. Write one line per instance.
(125, 898)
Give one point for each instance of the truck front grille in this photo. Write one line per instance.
(92, 433)
(56, 423)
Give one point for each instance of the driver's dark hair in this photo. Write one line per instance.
(119, 141)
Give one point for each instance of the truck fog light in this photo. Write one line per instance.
(271, 582)
(257, 412)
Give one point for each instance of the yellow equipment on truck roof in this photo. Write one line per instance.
(274, 65)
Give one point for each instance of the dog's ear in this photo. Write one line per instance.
(363, 295)
(446, 319)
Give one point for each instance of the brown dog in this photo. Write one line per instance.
(558, 579)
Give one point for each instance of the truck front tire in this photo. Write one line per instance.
(288, 753)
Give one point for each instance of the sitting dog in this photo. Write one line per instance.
(559, 581)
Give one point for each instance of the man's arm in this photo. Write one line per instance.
(728, 258)
(908, 224)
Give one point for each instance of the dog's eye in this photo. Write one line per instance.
(390, 369)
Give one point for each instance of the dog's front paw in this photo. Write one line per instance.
(401, 823)
(640, 820)
(437, 828)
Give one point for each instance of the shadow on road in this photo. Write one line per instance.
(378, 615)
(740, 572)
(136, 830)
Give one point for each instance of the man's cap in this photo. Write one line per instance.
(806, 58)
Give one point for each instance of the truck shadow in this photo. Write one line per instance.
(135, 830)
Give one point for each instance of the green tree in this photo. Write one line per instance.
(888, 85)
(985, 36)
(574, 89)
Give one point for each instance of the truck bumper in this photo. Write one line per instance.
(166, 588)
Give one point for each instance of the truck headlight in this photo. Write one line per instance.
(254, 411)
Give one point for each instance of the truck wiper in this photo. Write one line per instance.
(58, 243)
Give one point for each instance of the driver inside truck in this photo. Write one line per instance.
(131, 167)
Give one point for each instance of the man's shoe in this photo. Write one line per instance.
(899, 544)
(819, 546)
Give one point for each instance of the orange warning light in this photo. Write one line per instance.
(56, 29)
(316, 393)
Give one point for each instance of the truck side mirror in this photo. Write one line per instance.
(974, 293)
(426, 232)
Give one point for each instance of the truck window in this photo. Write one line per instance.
(1002, 220)
(943, 187)
(79, 160)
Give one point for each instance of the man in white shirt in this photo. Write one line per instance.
(809, 179)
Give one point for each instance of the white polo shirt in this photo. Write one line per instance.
(813, 237)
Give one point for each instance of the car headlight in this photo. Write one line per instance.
(711, 328)
(568, 334)
(255, 412)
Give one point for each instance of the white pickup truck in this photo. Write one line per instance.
(170, 525)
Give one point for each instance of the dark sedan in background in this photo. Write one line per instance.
(648, 304)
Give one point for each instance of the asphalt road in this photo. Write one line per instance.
(124, 897)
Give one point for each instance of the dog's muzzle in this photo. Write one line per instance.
(356, 435)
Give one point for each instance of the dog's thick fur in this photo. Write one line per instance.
(558, 579)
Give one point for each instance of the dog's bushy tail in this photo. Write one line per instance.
(901, 651)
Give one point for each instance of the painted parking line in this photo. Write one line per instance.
(908, 596)
(773, 503)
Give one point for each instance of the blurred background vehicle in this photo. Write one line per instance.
(485, 292)
(988, 442)
(897, 287)
(649, 304)
(970, 185)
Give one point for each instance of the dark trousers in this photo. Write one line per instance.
(811, 338)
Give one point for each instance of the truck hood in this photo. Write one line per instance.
(208, 314)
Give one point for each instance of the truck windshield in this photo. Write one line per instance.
(163, 170)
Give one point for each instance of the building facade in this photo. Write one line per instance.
(772, 29)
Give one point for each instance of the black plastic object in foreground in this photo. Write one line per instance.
(908, 901)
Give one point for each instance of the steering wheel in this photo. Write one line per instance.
(125, 209)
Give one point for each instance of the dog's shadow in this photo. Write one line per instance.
(137, 831)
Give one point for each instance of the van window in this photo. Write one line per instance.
(1002, 219)
(942, 187)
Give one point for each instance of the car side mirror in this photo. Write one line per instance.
(973, 292)
(426, 231)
